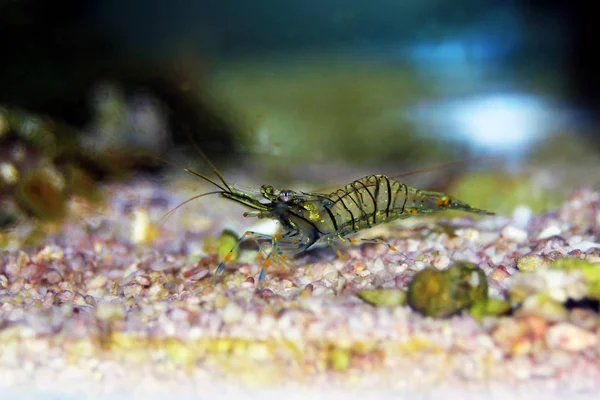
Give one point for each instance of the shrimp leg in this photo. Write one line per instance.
(257, 238)
(254, 236)
(369, 240)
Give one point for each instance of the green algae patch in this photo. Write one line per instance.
(383, 297)
(245, 359)
(531, 262)
(490, 308)
(338, 359)
(417, 345)
(178, 352)
(444, 293)
(344, 357)
(589, 271)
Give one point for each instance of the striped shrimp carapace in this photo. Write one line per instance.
(307, 218)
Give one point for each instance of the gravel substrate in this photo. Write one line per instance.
(113, 306)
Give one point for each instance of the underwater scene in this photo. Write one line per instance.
(283, 199)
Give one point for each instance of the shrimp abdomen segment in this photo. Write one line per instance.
(365, 203)
(377, 199)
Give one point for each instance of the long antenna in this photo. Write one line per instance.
(440, 166)
(205, 157)
(430, 168)
(191, 171)
(171, 211)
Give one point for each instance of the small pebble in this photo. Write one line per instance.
(585, 245)
(307, 291)
(514, 234)
(98, 282)
(142, 229)
(521, 217)
(248, 283)
(566, 336)
(531, 262)
(9, 174)
(143, 280)
(109, 311)
(376, 266)
(65, 296)
(221, 301)
(232, 313)
(550, 231)
(441, 262)
(49, 253)
(537, 326)
(500, 273)
(508, 333)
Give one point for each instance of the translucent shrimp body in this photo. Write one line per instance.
(308, 218)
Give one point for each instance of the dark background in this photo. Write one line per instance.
(53, 51)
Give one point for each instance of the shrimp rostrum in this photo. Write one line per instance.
(309, 218)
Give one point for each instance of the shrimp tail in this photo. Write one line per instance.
(454, 204)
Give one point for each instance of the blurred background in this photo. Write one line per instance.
(300, 91)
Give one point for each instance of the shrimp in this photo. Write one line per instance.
(306, 218)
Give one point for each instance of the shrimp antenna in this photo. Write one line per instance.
(205, 158)
(171, 211)
(440, 166)
(432, 168)
(191, 171)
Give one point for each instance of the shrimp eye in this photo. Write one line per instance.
(267, 191)
(286, 195)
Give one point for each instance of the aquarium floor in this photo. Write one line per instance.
(110, 305)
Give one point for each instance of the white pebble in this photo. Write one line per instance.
(441, 262)
(9, 173)
(141, 228)
(514, 234)
(232, 313)
(329, 269)
(522, 216)
(468, 233)
(550, 231)
(569, 337)
(258, 351)
(585, 246)
(363, 273)
(108, 311)
(376, 266)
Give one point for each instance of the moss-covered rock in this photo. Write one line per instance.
(41, 193)
(441, 294)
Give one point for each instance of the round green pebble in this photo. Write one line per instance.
(444, 293)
